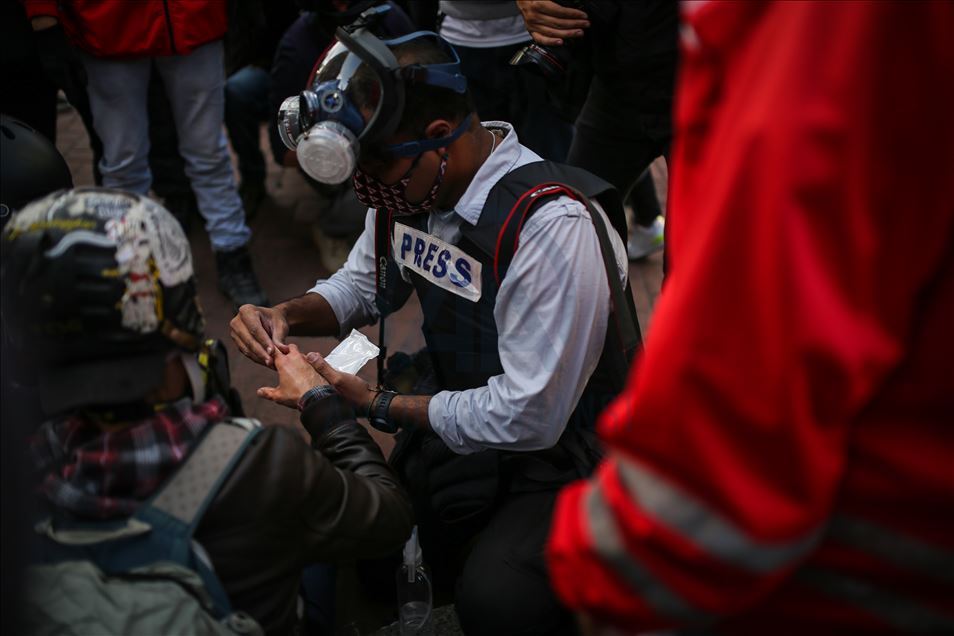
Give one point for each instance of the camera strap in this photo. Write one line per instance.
(382, 250)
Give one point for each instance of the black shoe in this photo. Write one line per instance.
(237, 279)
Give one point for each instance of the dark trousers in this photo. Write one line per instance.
(503, 587)
(169, 179)
(246, 109)
(318, 594)
(644, 200)
(483, 522)
(618, 134)
(29, 96)
(515, 95)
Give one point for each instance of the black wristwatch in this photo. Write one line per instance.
(378, 413)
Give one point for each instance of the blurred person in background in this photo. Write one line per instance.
(486, 34)
(119, 43)
(35, 65)
(611, 64)
(783, 458)
(255, 29)
(26, 93)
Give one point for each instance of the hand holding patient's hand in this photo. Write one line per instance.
(295, 376)
(259, 333)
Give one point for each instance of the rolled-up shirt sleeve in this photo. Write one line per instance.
(350, 291)
(551, 313)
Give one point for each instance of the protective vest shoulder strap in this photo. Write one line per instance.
(624, 324)
(382, 252)
(514, 199)
(517, 196)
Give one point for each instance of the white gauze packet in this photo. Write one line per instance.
(352, 353)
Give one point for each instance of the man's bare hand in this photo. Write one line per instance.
(353, 389)
(295, 376)
(259, 333)
(550, 23)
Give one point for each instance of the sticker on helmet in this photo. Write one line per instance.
(149, 248)
(439, 263)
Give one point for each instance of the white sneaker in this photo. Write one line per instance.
(644, 241)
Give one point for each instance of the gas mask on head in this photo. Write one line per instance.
(357, 99)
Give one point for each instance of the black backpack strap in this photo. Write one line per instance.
(623, 312)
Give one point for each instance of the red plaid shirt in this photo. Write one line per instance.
(94, 473)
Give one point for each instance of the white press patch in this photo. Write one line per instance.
(439, 263)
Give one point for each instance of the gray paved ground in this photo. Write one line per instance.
(288, 263)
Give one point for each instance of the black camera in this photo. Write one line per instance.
(567, 69)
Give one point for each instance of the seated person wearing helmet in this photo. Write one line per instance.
(512, 351)
(98, 289)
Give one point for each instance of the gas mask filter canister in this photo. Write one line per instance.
(328, 152)
(289, 122)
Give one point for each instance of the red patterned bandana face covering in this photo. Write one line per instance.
(374, 194)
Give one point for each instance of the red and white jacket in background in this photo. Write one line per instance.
(783, 458)
(140, 28)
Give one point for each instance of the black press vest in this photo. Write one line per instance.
(461, 335)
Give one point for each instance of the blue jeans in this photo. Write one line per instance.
(246, 108)
(194, 85)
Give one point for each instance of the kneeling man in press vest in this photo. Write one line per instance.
(508, 256)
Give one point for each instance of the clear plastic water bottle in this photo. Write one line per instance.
(413, 589)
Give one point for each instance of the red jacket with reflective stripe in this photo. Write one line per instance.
(783, 456)
(124, 29)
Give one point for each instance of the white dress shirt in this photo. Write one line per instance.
(551, 314)
(485, 34)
